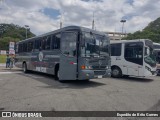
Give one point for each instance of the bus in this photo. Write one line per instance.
(156, 47)
(69, 53)
(132, 58)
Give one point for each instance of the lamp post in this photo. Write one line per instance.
(27, 27)
(122, 21)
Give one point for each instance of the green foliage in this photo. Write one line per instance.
(11, 32)
(152, 32)
(2, 58)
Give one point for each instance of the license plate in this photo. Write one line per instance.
(100, 76)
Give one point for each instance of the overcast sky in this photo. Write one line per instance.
(44, 15)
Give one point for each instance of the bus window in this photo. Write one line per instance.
(30, 46)
(37, 44)
(17, 48)
(43, 43)
(48, 43)
(24, 47)
(134, 53)
(116, 49)
(69, 44)
(56, 41)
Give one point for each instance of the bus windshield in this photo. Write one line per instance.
(149, 56)
(94, 45)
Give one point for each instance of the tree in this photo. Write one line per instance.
(152, 32)
(11, 32)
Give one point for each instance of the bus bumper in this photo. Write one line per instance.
(91, 74)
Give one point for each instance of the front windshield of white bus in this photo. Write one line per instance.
(95, 45)
(149, 57)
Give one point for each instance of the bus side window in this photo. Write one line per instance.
(116, 49)
(56, 41)
(30, 46)
(37, 46)
(21, 48)
(134, 53)
(17, 48)
(69, 44)
(24, 47)
(43, 43)
(48, 43)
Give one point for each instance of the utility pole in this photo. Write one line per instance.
(122, 21)
(27, 27)
(61, 23)
(93, 22)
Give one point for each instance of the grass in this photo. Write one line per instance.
(2, 58)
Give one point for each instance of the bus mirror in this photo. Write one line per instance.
(148, 52)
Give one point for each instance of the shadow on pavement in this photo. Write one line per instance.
(134, 79)
(52, 83)
(10, 70)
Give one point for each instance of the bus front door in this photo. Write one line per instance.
(68, 56)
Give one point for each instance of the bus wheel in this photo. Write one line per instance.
(25, 68)
(116, 72)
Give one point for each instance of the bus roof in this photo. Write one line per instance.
(64, 29)
(154, 43)
(127, 41)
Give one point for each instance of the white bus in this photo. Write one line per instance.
(70, 53)
(132, 58)
(156, 47)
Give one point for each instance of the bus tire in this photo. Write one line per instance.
(116, 72)
(25, 68)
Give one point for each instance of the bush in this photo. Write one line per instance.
(2, 58)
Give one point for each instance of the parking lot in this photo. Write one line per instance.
(41, 92)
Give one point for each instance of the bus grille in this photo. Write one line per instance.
(99, 67)
(99, 73)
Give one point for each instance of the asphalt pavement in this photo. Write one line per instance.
(41, 92)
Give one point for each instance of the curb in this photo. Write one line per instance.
(2, 64)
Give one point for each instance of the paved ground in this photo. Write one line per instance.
(40, 92)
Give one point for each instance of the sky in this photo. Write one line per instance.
(45, 15)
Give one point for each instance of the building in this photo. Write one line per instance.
(116, 35)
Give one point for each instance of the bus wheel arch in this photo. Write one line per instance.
(116, 71)
(24, 66)
(57, 71)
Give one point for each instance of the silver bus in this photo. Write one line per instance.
(156, 48)
(69, 53)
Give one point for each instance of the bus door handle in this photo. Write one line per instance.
(124, 66)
